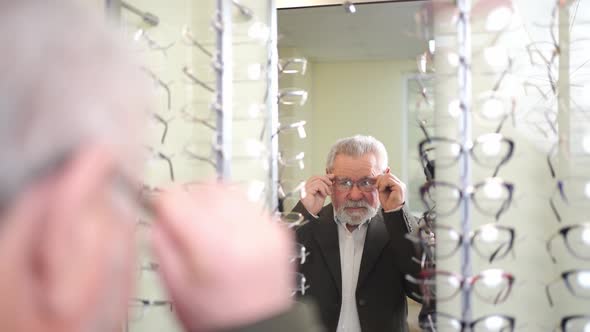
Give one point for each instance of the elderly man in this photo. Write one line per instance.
(72, 106)
(359, 253)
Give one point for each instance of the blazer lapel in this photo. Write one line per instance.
(326, 233)
(375, 241)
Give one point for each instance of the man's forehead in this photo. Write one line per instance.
(355, 167)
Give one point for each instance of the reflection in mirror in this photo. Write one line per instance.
(366, 73)
(369, 72)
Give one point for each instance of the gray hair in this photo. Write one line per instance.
(66, 80)
(357, 146)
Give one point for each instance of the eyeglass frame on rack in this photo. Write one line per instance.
(469, 193)
(563, 233)
(465, 283)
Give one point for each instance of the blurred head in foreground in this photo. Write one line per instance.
(71, 105)
(72, 114)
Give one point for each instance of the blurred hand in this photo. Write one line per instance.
(392, 191)
(317, 188)
(223, 261)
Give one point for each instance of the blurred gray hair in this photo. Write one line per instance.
(66, 80)
(357, 146)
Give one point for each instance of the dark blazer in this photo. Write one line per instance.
(381, 289)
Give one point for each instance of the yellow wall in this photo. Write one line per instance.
(358, 98)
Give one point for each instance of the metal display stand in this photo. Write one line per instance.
(464, 82)
(224, 93)
(273, 108)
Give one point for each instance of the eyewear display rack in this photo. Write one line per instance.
(464, 82)
(244, 37)
(223, 104)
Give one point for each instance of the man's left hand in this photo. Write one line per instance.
(392, 191)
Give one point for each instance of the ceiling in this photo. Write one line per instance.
(310, 3)
(376, 31)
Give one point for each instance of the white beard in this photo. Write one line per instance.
(356, 218)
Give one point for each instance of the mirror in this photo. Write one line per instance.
(367, 73)
(361, 78)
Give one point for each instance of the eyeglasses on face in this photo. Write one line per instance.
(345, 184)
(576, 239)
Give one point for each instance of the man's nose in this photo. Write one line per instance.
(355, 193)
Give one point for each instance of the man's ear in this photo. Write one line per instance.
(70, 251)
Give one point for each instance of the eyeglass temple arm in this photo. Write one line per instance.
(200, 158)
(496, 252)
(549, 163)
(502, 295)
(503, 208)
(196, 43)
(147, 17)
(508, 154)
(162, 84)
(170, 165)
(197, 119)
(165, 124)
(549, 248)
(548, 293)
(423, 129)
(501, 124)
(497, 169)
(244, 11)
(502, 76)
(554, 209)
(196, 80)
(161, 155)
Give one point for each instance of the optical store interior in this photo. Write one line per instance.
(482, 106)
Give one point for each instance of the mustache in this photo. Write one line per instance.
(356, 204)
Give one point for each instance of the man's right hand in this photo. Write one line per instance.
(317, 188)
(215, 248)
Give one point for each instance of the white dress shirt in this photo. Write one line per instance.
(351, 252)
